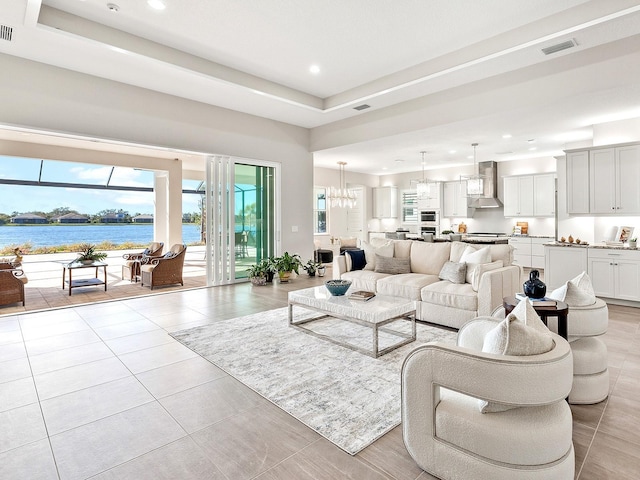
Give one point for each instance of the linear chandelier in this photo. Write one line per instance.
(342, 197)
(475, 182)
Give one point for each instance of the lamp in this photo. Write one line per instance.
(342, 196)
(475, 182)
(422, 187)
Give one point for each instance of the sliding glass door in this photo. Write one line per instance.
(243, 224)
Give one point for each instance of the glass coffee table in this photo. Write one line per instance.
(374, 314)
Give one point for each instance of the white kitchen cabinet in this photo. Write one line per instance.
(615, 273)
(529, 251)
(385, 202)
(518, 196)
(537, 250)
(562, 264)
(434, 197)
(544, 195)
(577, 181)
(455, 202)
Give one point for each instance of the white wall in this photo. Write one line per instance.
(42, 97)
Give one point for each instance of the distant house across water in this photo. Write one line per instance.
(72, 218)
(113, 218)
(142, 219)
(28, 218)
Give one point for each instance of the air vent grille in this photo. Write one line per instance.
(6, 32)
(559, 47)
(364, 106)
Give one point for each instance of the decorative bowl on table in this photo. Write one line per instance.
(337, 287)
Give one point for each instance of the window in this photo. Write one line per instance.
(319, 210)
(409, 207)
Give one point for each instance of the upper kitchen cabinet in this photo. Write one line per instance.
(544, 195)
(518, 196)
(578, 181)
(433, 199)
(385, 202)
(455, 202)
(603, 180)
(614, 174)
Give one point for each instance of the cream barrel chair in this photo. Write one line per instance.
(447, 435)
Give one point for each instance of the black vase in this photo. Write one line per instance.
(534, 287)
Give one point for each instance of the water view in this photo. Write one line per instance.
(52, 235)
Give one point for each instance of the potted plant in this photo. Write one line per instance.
(88, 254)
(633, 243)
(286, 264)
(312, 267)
(258, 273)
(272, 268)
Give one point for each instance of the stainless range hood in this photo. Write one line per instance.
(488, 173)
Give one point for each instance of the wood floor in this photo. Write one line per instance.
(101, 391)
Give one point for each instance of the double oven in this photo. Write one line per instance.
(429, 222)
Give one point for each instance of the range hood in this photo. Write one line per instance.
(488, 173)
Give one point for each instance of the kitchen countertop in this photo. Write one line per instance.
(594, 245)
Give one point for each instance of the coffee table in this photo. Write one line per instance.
(83, 282)
(375, 313)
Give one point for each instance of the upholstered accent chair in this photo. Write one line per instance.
(131, 266)
(12, 281)
(448, 436)
(165, 270)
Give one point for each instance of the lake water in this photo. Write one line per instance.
(51, 235)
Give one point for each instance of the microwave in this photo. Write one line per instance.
(434, 229)
(431, 216)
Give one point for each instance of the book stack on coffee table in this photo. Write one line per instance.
(363, 295)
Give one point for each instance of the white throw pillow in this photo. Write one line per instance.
(480, 270)
(384, 249)
(577, 292)
(472, 258)
(525, 312)
(512, 337)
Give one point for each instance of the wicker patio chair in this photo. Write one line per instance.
(131, 266)
(12, 282)
(165, 270)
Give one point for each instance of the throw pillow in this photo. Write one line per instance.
(348, 242)
(513, 337)
(384, 249)
(453, 272)
(392, 265)
(355, 260)
(480, 270)
(169, 255)
(577, 292)
(473, 257)
(525, 312)
(146, 251)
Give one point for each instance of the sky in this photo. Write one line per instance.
(20, 198)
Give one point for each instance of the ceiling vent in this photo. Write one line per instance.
(559, 47)
(364, 106)
(6, 33)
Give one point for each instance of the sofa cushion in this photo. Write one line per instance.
(450, 295)
(354, 259)
(364, 279)
(480, 270)
(392, 265)
(453, 272)
(380, 247)
(402, 248)
(502, 252)
(429, 257)
(406, 285)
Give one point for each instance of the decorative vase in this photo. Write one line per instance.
(633, 244)
(321, 271)
(534, 287)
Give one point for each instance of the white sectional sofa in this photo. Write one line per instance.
(438, 301)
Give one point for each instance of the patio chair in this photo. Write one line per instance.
(165, 270)
(12, 282)
(131, 266)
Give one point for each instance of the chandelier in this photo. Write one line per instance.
(342, 196)
(475, 182)
(422, 187)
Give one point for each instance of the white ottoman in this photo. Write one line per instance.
(590, 371)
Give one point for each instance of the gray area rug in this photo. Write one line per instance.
(347, 397)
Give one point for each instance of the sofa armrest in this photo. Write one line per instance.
(339, 266)
(496, 284)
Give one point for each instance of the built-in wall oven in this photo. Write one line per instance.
(430, 216)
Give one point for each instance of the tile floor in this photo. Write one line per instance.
(102, 391)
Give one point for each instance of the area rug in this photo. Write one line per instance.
(349, 398)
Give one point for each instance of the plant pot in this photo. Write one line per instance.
(284, 276)
(321, 271)
(633, 244)
(87, 262)
(258, 281)
(312, 274)
(269, 277)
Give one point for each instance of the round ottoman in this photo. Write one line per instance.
(590, 371)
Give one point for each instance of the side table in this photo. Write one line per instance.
(560, 310)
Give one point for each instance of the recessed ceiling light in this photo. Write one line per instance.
(452, 151)
(506, 135)
(470, 157)
(533, 148)
(113, 7)
(315, 69)
(156, 4)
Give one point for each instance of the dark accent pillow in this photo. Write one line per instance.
(358, 260)
(453, 272)
(393, 265)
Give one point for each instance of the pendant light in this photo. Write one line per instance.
(475, 182)
(422, 187)
(342, 197)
